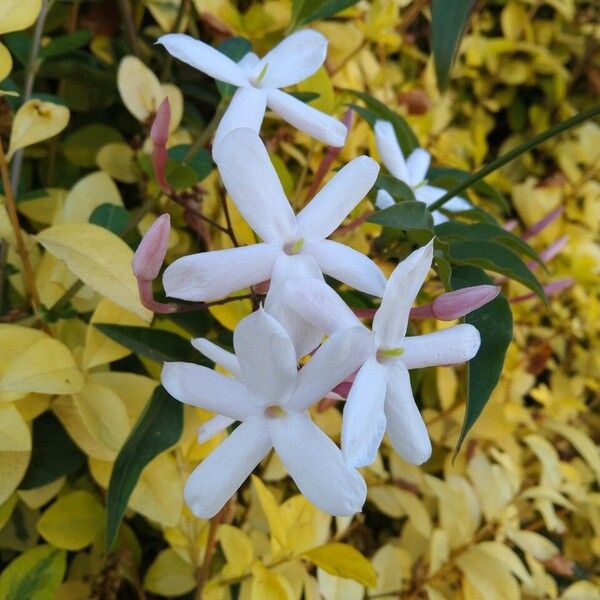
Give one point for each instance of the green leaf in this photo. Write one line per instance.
(306, 11)
(495, 257)
(235, 48)
(53, 454)
(404, 216)
(110, 216)
(305, 96)
(34, 575)
(82, 146)
(158, 428)
(63, 44)
(155, 344)
(396, 188)
(201, 163)
(487, 231)
(376, 110)
(494, 323)
(448, 23)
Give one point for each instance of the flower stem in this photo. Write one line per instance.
(514, 153)
(127, 19)
(207, 133)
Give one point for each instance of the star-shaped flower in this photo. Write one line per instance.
(381, 397)
(411, 171)
(291, 61)
(271, 397)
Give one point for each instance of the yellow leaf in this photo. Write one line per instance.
(272, 512)
(230, 314)
(169, 575)
(73, 522)
(38, 497)
(118, 160)
(238, 550)
(305, 525)
(343, 560)
(268, 585)
(15, 450)
(18, 14)
(36, 121)
(99, 348)
(396, 503)
(43, 209)
(74, 589)
(6, 62)
(533, 543)
(87, 194)
(165, 13)
(393, 566)
(6, 509)
(319, 83)
(338, 588)
(100, 259)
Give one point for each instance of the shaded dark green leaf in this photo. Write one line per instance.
(306, 11)
(305, 96)
(82, 146)
(110, 216)
(235, 48)
(201, 163)
(158, 428)
(404, 216)
(396, 188)
(53, 453)
(494, 323)
(66, 43)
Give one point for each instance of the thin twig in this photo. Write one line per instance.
(130, 31)
(205, 136)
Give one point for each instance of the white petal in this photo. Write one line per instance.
(417, 164)
(305, 335)
(384, 200)
(203, 57)
(211, 275)
(213, 427)
(364, 420)
(316, 464)
(324, 213)
(203, 387)
(248, 63)
(218, 355)
(336, 359)
(319, 304)
(253, 184)
(405, 426)
(457, 204)
(347, 265)
(224, 470)
(307, 119)
(391, 318)
(294, 59)
(267, 358)
(428, 193)
(246, 109)
(449, 346)
(389, 150)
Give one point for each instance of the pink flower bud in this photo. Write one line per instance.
(159, 134)
(542, 223)
(150, 254)
(550, 289)
(452, 305)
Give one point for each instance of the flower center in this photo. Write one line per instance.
(294, 247)
(274, 411)
(385, 354)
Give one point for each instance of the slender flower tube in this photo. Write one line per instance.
(159, 134)
(271, 398)
(291, 61)
(292, 246)
(381, 397)
(411, 171)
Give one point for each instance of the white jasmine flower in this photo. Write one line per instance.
(411, 171)
(291, 61)
(270, 397)
(381, 397)
(292, 244)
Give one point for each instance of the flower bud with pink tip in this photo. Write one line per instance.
(159, 134)
(453, 305)
(151, 252)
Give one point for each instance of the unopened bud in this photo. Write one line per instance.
(452, 305)
(150, 254)
(159, 134)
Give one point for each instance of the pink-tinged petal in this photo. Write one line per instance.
(391, 318)
(450, 346)
(453, 305)
(384, 200)
(417, 164)
(203, 387)
(341, 194)
(222, 472)
(213, 427)
(203, 57)
(151, 251)
(405, 426)
(218, 355)
(390, 151)
(348, 266)
(294, 59)
(319, 304)
(316, 464)
(246, 109)
(211, 275)
(267, 358)
(253, 184)
(307, 119)
(306, 335)
(336, 359)
(364, 419)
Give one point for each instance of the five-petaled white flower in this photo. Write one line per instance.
(411, 171)
(271, 399)
(292, 246)
(291, 61)
(381, 397)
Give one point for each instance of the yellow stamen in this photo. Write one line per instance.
(274, 411)
(262, 74)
